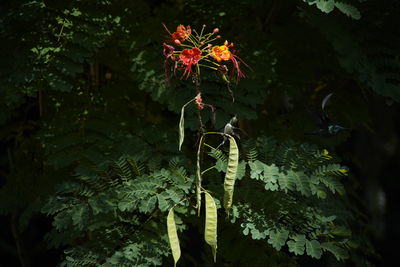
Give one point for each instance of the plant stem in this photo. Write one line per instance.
(198, 175)
(209, 169)
(210, 146)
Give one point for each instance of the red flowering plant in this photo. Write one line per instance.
(187, 49)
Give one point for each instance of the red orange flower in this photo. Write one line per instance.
(190, 57)
(182, 33)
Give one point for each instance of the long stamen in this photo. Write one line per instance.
(208, 41)
(201, 33)
(165, 27)
(192, 39)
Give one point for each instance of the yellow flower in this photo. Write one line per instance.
(221, 53)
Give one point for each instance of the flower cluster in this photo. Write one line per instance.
(188, 50)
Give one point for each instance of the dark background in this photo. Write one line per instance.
(298, 55)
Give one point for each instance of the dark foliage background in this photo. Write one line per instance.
(86, 119)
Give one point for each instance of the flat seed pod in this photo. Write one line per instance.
(173, 236)
(230, 176)
(210, 231)
(182, 125)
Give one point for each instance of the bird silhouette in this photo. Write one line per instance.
(326, 126)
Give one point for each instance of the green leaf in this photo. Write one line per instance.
(341, 231)
(338, 252)
(301, 181)
(100, 204)
(286, 182)
(80, 215)
(278, 238)
(297, 245)
(326, 5)
(221, 165)
(313, 249)
(256, 169)
(271, 174)
(241, 170)
(62, 220)
(318, 190)
(349, 10)
(333, 184)
(148, 204)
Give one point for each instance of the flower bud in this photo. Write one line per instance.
(216, 30)
(176, 41)
(218, 36)
(201, 43)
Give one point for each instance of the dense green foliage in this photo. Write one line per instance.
(90, 130)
